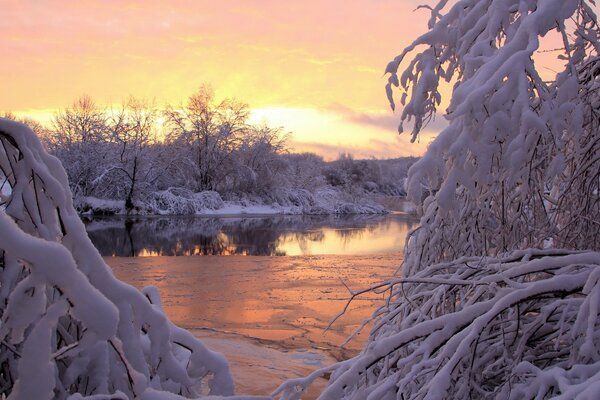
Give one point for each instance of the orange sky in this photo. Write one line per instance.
(314, 67)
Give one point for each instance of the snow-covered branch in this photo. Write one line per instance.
(527, 325)
(480, 312)
(513, 164)
(68, 325)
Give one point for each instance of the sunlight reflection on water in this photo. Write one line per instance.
(266, 236)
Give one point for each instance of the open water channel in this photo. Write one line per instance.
(261, 290)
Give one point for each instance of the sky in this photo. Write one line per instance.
(313, 67)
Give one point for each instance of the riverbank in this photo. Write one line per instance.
(325, 200)
(266, 314)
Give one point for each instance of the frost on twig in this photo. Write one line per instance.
(68, 326)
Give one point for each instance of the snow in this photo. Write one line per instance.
(67, 323)
(178, 201)
(514, 161)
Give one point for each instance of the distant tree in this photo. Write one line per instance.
(134, 156)
(353, 175)
(259, 166)
(207, 134)
(304, 170)
(78, 137)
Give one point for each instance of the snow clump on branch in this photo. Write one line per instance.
(69, 328)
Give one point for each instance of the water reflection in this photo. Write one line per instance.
(265, 236)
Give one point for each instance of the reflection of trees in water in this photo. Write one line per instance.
(304, 239)
(155, 236)
(350, 230)
(348, 234)
(222, 236)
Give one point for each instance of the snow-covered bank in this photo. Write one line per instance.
(178, 201)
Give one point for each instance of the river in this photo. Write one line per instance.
(261, 290)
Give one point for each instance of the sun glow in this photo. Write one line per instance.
(313, 67)
(293, 63)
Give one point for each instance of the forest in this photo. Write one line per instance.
(139, 159)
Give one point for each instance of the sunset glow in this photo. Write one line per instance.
(313, 67)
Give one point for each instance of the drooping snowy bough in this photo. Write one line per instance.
(68, 327)
(518, 165)
(486, 306)
(522, 326)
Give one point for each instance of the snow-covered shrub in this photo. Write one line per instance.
(291, 197)
(95, 206)
(181, 201)
(304, 170)
(370, 186)
(328, 200)
(67, 324)
(210, 200)
(173, 201)
(323, 200)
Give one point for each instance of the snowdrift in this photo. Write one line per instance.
(69, 328)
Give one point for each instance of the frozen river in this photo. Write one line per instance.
(265, 311)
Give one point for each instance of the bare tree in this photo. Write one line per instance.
(207, 132)
(134, 161)
(78, 138)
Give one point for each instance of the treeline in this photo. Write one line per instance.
(205, 145)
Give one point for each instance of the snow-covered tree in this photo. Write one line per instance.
(304, 170)
(519, 152)
(78, 138)
(487, 305)
(258, 165)
(134, 164)
(207, 133)
(69, 328)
